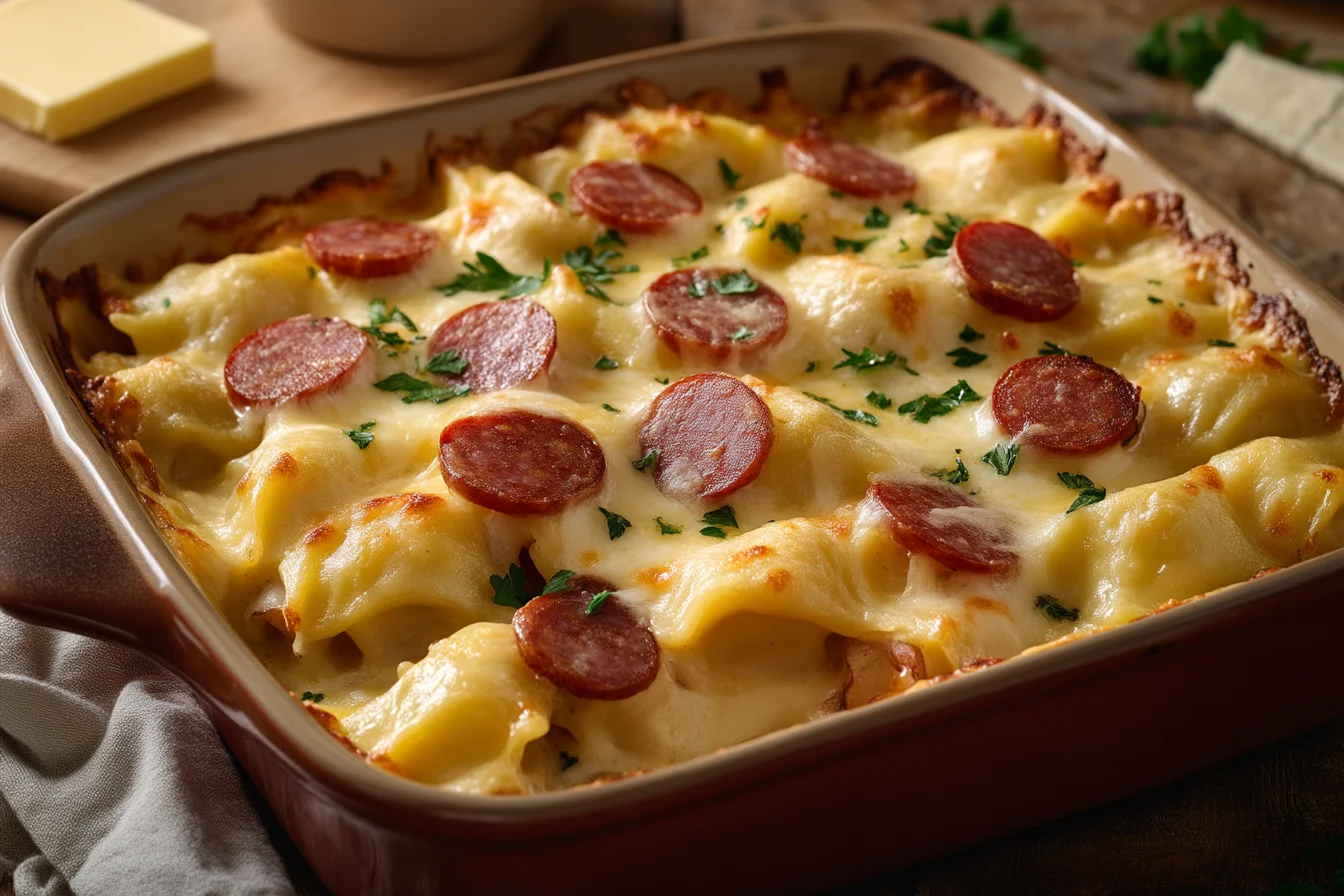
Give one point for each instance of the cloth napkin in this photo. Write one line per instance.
(113, 781)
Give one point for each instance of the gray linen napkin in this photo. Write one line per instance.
(113, 781)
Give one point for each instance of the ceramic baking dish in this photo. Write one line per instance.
(834, 800)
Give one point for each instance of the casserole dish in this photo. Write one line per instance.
(978, 741)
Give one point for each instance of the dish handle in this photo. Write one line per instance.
(62, 563)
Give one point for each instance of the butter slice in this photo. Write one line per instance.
(69, 66)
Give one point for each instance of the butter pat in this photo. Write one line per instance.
(69, 66)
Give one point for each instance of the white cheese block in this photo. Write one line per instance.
(1276, 102)
(69, 66)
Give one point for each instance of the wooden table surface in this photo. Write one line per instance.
(1253, 825)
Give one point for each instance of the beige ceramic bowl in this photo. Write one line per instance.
(414, 29)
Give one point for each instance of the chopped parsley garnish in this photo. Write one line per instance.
(869, 360)
(1155, 300)
(970, 334)
(716, 520)
(964, 357)
(914, 208)
(661, 380)
(167, 303)
(386, 339)
(1055, 610)
(567, 761)
(742, 334)
(488, 275)
(596, 603)
(647, 462)
(945, 231)
(447, 362)
(1222, 343)
(1155, 282)
(362, 437)
(1076, 263)
(557, 197)
(730, 177)
(682, 260)
(1002, 458)
(903, 247)
(878, 400)
(609, 237)
(739, 203)
(856, 246)
(616, 524)
(593, 268)
(510, 591)
(607, 407)
(311, 697)
(666, 528)
(1090, 492)
(999, 33)
(605, 363)
(752, 223)
(877, 219)
(312, 272)
(811, 366)
(730, 284)
(723, 516)
(1197, 52)
(790, 235)
(1052, 349)
(379, 317)
(856, 416)
(419, 390)
(926, 407)
(956, 474)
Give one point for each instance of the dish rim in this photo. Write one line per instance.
(305, 745)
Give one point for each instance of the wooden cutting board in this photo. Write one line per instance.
(266, 81)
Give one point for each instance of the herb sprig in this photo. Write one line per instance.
(488, 275)
(926, 407)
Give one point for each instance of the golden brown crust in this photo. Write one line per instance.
(1285, 329)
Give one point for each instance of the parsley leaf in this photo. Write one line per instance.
(488, 275)
(742, 334)
(1155, 300)
(723, 516)
(310, 697)
(713, 532)
(647, 462)
(1055, 610)
(730, 177)
(557, 197)
(567, 761)
(837, 194)
(596, 603)
(447, 362)
(362, 437)
(607, 407)
(914, 208)
(878, 400)
(682, 260)
(904, 247)
(1000, 34)
(811, 366)
(419, 390)
(616, 524)
(593, 268)
(926, 407)
(1090, 492)
(970, 334)
(752, 224)
(312, 272)
(609, 237)
(964, 357)
(605, 363)
(868, 360)
(386, 338)
(790, 235)
(379, 315)
(511, 591)
(1052, 349)
(1153, 53)
(1075, 480)
(666, 528)
(957, 474)
(1222, 343)
(1235, 27)
(856, 416)
(1002, 458)
(945, 232)
(730, 284)
(855, 246)
(1196, 54)
(877, 219)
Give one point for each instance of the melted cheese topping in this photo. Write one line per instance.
(358, 574)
